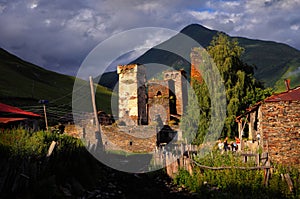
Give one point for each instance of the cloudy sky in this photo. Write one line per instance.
(59, 34)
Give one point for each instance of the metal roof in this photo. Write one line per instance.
(290, 95)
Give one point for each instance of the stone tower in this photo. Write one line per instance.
(158, 101)
(178, 91)
(196, 60)
(132, 94)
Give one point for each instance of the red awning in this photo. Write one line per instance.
(14, 110)
(5, 120)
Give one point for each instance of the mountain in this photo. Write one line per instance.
(272, 61)
(23, 84)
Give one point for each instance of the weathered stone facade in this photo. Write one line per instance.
(275, 124)
(132, 94)
(158, 101)
(280, 131)
(178, 89)
(138, 139)
(166, 98)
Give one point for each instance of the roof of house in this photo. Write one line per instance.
(290, 95)
(11, 110)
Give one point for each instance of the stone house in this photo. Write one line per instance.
(274, 125)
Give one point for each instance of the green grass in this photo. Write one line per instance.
(23, 152)
(24, 84)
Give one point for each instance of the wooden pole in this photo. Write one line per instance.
(95, 110)
(45, 114)
(240, 127)
(289, 181)
(51, 148)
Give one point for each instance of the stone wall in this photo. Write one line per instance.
(158, 101)
(280, 130)
(137, 139)
(177, 85)
(132, 94)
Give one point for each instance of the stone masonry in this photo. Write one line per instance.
(167, 97)
(158, 101)
(280, 131)
(132, 94)
(177, 85)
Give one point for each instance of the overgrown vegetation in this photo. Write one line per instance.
(20, 142)
(23, 153)
(237, 183)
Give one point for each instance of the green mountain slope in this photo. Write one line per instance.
(23, 84)
(272, 61)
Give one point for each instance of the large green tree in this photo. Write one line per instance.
(241, 88)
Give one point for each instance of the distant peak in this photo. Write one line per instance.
(194, 26)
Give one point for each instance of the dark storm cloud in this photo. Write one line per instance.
(58, 34)
(276, 20)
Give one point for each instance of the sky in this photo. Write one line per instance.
(59, 34)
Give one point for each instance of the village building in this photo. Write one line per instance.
(148, 108)
(142, 101)
(274, 125)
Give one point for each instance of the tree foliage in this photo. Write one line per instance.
(241, 88)
(195, 121)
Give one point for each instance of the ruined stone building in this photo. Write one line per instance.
(167, 97)
(275, 124)
(141, 101)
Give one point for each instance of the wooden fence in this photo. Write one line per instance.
(180, 158)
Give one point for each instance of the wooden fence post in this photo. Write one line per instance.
(267, 174)
(289, 181)
(51, 148)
